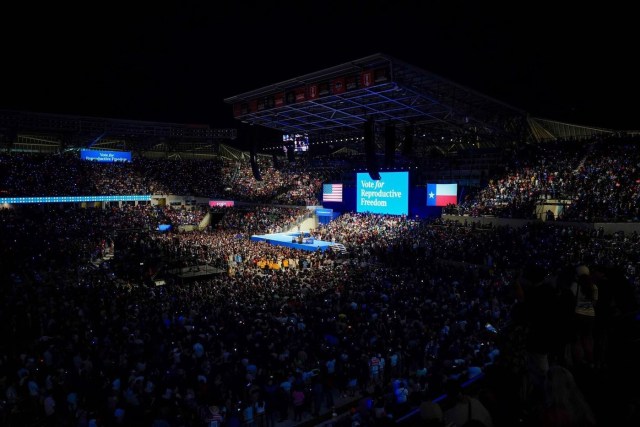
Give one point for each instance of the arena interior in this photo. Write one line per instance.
(135, 295)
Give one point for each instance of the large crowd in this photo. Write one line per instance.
(67, 175)
(597, 181)
(413, 309)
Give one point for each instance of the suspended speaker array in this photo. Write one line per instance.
(389, 145)
(370, 148)
(252, 155)
(407, 146)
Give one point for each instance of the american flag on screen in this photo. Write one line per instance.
(332, 192)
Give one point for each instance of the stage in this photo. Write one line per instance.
(290, 240)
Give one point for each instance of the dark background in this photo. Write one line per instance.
(171, 62)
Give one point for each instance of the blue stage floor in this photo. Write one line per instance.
(286, 239)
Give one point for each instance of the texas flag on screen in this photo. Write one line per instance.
(442, 194)
(332, 192)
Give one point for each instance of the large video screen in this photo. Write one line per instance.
(298, 142)
(105, 156)
(442, 194)
(388, 195)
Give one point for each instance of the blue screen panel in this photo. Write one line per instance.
(388, 195)
(105, 156)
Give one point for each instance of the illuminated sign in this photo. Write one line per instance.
(324, 212)
(221, 203)
(105, 156)
(388, 195)
(75, 199)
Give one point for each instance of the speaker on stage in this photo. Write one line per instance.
(389, 145)
(370, 148)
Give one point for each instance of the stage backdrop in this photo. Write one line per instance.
(387, 195)
(395, 189)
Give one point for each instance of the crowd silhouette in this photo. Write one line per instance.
(542, 317)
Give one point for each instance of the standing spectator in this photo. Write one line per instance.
(282, 400)
(540, 311)
(248, 414)
(269, 396)
(297, 399)
(318, 395)
(212, 416)
(586, 299)
(260, 411)
(234, 417)
(402, 399)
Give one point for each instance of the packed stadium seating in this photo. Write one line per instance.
(425, 302)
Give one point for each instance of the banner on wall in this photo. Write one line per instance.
(324, 212)
(221, 203)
